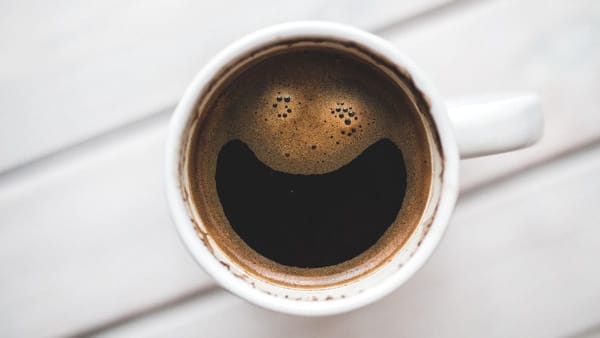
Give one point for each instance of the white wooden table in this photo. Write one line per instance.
(86, 243)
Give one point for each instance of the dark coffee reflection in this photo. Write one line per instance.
(311, 220)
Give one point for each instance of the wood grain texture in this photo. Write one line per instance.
(519, 260)
(89, 239)
(72, 70)
(85, 237)
(505, 46)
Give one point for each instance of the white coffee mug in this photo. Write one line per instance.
(461, 129)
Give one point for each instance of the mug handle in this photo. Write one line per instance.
(490, 125)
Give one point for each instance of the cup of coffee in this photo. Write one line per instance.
(312, 167)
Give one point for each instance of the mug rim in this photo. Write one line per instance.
(325, 30)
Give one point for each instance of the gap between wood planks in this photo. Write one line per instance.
(165, 306)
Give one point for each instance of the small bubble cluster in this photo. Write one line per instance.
(341, 122)
(346, 115)
(287, 110)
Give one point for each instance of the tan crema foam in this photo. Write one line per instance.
(308, 108)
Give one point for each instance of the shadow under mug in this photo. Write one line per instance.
(459, 129)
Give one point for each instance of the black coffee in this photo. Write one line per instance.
(309, 163)
(311, 220)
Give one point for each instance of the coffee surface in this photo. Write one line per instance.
(309, 163)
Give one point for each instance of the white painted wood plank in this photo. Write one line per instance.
(76, 253)
(591, 333)
(519, 260)
(552, 49)
(89, 239)
(70, 70)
